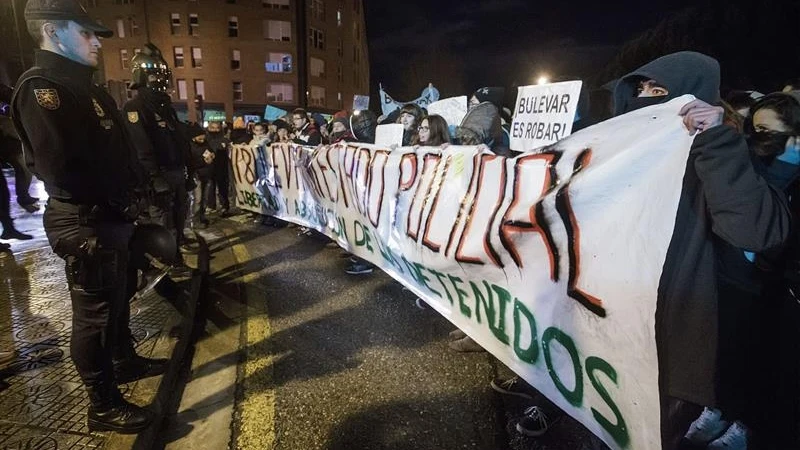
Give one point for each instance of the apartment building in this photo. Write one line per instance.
(241, 55)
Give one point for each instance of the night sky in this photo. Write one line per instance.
(460, 45)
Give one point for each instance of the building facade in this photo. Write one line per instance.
(241, 55)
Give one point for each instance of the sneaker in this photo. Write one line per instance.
(305, 231)
(359, 268)
(511, 386)
(421, 304)
(707, 427)
(4, 247)
(457, 334)
(534, 423)
(735, 438)
(465, 345)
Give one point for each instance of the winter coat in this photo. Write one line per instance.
(722, 196)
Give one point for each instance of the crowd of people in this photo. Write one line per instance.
(728, 312)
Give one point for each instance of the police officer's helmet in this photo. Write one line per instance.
(151, 70)
(152, 245)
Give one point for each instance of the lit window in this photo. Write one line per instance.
(317, 67)
(317, 96)
(120, 28)
(200, 88)
(275, 4)
(194, 25)
(278, 30)
(318, 9)
(128, 90)
(134, 26)
(175, 23)
(279, 63)
(182, 94)
(236, 60)
(280, 92)
(237, 91)
(233, 26)
(316, 38)
(123, 59)
(197, 57)
(177, 53)
(339, 18)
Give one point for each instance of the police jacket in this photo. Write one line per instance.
(160, 140)
(73, 135)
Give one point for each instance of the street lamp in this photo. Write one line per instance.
(542, 79)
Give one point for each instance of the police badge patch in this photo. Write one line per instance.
(98, 109)
(133, 116)
(47, 98)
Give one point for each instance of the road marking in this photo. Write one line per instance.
(256, 421)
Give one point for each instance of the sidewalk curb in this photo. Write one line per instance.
(183, 332)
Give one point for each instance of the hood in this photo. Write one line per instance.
(794, 94)
(483, 124)
(681, 73)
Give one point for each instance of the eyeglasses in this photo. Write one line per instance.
(423, 129)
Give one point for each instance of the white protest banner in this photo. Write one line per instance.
(360, 102)
(244, 163)
(452, 109)
(551, 261)
(389, 134)
(429, 95)
(544, 114)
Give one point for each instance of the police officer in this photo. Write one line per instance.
(160, 140)
(75, 142)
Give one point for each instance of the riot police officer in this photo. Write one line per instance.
(75, 142)
(160, 140)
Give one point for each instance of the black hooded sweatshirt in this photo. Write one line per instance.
(723, 197)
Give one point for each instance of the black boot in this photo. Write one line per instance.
(108, 411)
(9, 232)
(136, 367)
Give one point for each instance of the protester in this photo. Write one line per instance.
(239, 133)
(203, 164)
(260, 135)
(410, 117)
(763, 312)
(219, 185)
(722, 197)
(481, 125)
(305, 133)
(282, 133)
(432, 132)
(363, 125)
(340, 131)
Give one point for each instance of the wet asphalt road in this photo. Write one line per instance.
(356, 365)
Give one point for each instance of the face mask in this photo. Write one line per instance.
(643, 102)
(767, 144)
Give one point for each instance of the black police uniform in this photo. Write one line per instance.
(75, 142)
(163, 149)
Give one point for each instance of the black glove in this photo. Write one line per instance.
(190, 183)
